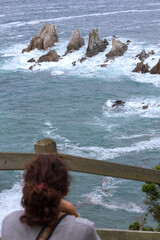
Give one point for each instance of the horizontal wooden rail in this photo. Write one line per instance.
(115, 234)
(17, 161)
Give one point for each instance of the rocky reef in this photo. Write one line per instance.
(48, 36)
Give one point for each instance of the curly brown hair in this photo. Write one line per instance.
(46, 181)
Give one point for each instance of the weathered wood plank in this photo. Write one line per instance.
(17, 161)
(113, 234)
(14, 161)
(105, 168)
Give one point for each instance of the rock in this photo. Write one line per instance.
(143, 55)
(95, 44)
(156, 68)
(51, 56)
(118, 49)
(82, 59)
(145, 107)
(31, 60)
(75, 42)
(152, 52)
(74, 63)
(141, 67)
(31, 67)
(128, 41)
(44, 39)
(103, 65)
(118, 103)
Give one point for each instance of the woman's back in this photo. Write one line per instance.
(70, 228)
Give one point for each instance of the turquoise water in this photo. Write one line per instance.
(72, 105)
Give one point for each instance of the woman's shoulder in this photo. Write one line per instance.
(79, 220)
(12, 217)
(82, 228)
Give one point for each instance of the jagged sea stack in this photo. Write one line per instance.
(141, 67)
(156, 68)
(117, 50)
(75, 42)
(95, 44)
(44, 39)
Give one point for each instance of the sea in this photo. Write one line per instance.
(73, 104)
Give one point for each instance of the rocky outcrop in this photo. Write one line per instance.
(103, 65)
(75, 42)
(51, 56)
(143, 55)
(156, 68)
(118, 103)
(95, 44)
(141, 67)
(44, 39)
(31, 60)
(33, 66)
(117, 50)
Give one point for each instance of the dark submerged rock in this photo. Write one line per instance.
(31, 60)
(74, 63)
(82, 59)
(145, 107)
(118, 103)
(103, 65)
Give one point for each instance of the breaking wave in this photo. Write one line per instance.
(149, 108)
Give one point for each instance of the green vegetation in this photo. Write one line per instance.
(152, 200)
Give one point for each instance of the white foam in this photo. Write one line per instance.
(10, 201)
(56, 73)
(132, 136)
(109, 201)
(149, 108)
(109, 153)
(8, 55)
(50, 132)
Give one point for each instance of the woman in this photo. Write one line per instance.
(46, 214)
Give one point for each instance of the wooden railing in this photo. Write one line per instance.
(17, 161)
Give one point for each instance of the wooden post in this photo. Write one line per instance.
(45, 145)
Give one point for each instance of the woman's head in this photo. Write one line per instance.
(46, 181)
